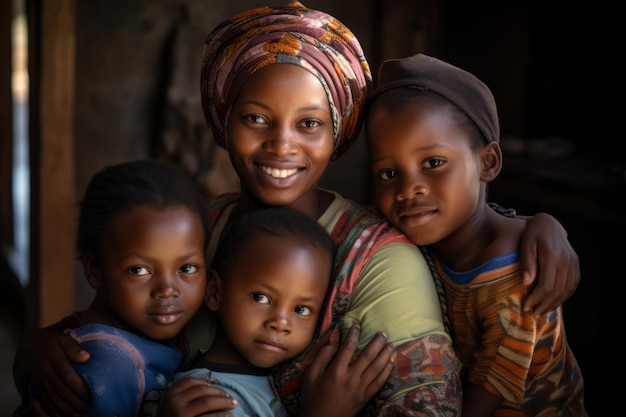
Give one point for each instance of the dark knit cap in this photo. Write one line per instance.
(456, 85)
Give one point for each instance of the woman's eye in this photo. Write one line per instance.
(303, 311)
(138, 270)
(189, 269)
(255, 118)
(311, 124)
(260, 298)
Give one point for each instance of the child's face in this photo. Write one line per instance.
(269, 303)
(153, 274)
(427, 177)
(280, 135)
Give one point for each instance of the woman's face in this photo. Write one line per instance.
(280, 136)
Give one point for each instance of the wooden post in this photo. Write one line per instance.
(52, 163)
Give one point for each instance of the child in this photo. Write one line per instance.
(433, 136)
(267, 285)
(141, 240)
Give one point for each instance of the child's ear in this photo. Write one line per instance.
(491, 159)
(213, 291)
(91, 271)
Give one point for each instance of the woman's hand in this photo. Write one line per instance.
(336, 385)
(549, 261)
(190, 397)
(43, 359)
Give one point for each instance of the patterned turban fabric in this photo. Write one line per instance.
(294, 34)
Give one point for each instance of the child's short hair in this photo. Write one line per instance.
(276, 221)
(122, 187)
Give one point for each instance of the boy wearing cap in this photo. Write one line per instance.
(433, 133)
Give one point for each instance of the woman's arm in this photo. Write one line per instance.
(336, 384)
(478, 402)
(548, 261)
(43, 359)
(396, 294)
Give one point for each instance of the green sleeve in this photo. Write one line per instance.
(396, 294)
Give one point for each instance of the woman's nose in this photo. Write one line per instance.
(282, 141)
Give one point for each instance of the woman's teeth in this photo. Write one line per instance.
(279, 173)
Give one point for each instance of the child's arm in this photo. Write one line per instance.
(548, 262)
(194, 397)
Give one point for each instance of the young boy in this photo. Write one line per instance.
(433, 136)
(268, 284)
(141, 238)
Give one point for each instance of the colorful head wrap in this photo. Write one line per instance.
(456, 85)
(314, 40)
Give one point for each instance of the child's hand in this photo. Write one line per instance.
(44, 357)
(334, 385)
(549, 261)
(194, 397)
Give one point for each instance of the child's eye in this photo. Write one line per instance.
(303, 311)
(433, 163)
(387, 174)
(138, 270)
(260, 298)
(189, 269)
